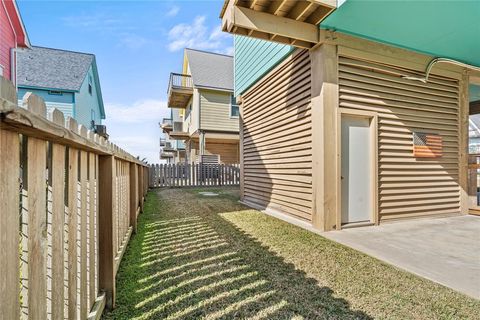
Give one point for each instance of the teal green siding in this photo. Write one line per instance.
(254, 58)
(87, 106)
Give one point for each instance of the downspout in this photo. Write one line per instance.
(440, 60)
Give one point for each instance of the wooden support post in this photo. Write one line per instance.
(106, 183)
(242, 172)
(325, 164)
(133, 196)
(463, 147)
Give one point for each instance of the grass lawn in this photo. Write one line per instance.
(211, 257)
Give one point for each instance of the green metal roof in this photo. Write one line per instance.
(447, 29)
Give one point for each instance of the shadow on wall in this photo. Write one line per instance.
(190, 263)
(278, 138)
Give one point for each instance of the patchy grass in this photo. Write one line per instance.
(210, 257)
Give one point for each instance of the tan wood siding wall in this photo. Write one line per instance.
(215, 112)
(408, 186)
(277, 139)
(229, 152)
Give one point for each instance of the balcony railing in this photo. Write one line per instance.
(180, 90)
(180, 81)
(178, 132)
(166, 124)
(162, 142)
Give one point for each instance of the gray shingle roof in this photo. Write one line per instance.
(52, 68)
(210, 70)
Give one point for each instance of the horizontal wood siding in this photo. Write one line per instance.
(277, 139)
(408, 186)
(215, 111)
(229, 152)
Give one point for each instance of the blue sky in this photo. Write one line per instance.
(137, 44)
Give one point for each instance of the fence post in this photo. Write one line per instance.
(133, 196)
(141, 185)
(106, 207)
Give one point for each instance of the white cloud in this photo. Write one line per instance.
(198, 36)
(173, 11)
(139, 111)
(133, 41)
(135, 128)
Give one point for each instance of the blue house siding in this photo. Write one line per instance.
(85, 102)
(64, 102)
(254, 58)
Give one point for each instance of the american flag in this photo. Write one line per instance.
(427, 145)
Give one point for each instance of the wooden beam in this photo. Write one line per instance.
(318, 15)
(276, 6)
(267, 23)
(299, 9)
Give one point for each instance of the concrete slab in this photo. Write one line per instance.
(445, 250)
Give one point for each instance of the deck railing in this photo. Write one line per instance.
(69, 203)
(180, 81)
(194, 175)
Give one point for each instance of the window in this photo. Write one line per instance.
(1, 70)
(90, 88)
(55, 93)
(234, 108)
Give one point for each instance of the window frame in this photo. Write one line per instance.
(234, 105)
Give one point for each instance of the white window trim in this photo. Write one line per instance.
(230, 110)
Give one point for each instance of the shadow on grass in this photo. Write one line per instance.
(187, 262)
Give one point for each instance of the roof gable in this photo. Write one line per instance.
(210, 70)
(17, 23)
(52, 68)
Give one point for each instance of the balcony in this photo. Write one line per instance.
(169, 147)
(166, 155)
(178, 133)
(163, 141)
(180, 90)
(166, 125)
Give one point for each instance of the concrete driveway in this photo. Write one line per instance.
(444, 250)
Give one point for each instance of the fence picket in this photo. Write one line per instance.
(9, 228)
(193, 174)
(51, 252)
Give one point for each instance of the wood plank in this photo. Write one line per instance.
(133, 196)
(72, 232)
(58, 225)
(9, 227)
(107, 186)
(84, 308)
(92, 224)
(37, 233)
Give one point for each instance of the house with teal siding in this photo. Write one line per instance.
(66, 80)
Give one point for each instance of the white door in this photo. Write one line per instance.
(357, 169)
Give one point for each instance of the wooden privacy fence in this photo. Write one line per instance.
(194, 175)
(69, 201)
